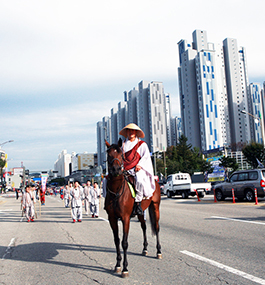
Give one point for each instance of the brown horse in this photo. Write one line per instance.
(119, 205)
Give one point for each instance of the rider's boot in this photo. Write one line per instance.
(137, 209)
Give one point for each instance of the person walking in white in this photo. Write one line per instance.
(28, 204)
(66, 194)
(94, 200)
(77, 197)
(86, 196)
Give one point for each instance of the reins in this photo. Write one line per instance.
(116, 195)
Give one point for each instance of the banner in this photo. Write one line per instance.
(44, 178)
(218, 171)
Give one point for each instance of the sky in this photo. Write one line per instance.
(65, 64)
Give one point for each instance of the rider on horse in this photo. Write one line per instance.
(137, 162)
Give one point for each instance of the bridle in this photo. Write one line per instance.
(120, 162)
(116, 195)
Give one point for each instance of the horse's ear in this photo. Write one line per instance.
(107, 144)
(120, 142)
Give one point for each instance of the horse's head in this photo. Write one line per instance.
(114, 158)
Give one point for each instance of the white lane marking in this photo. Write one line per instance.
(7, 210)
(11, 244)
(238, 220)
(104, 219)
(224, 267)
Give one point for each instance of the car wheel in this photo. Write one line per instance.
(249, 195)
(201, 195)
(169, 195)
(184, 195)
(219, 195)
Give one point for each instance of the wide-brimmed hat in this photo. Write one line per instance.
(132, 126)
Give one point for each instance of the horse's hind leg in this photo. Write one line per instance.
(154, 217)
(114, 226)
(143, 226)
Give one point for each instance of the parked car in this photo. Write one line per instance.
(244, 183)
(181, 184)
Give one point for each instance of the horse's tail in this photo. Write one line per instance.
(153, 219)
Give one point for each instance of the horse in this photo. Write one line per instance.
(119, 205)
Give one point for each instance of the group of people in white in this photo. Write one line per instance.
(75, 195)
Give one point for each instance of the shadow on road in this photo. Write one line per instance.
(29, 253)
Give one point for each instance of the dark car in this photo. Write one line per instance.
(244, 183)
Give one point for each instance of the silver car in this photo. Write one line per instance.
(244, 183)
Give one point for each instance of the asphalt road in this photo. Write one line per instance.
(202, 243)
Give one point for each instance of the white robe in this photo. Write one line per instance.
(77, 196)
(145, 182)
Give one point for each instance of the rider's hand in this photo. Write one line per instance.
(137, 168)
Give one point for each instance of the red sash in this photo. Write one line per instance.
(132, 157)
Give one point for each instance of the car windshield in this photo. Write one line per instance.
(233, 178)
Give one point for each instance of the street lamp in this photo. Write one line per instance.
(257, 119)
(6, 142)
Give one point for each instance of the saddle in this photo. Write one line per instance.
(131, 182)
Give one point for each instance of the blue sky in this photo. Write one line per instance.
(65, 64)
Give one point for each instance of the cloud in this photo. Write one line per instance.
(65, 64)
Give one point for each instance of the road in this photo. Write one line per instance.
(202, 243)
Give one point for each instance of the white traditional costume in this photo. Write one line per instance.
(77, 197)
(86, 197)
(136, 152)
(94, 201)
(28, 205)
(66, 194)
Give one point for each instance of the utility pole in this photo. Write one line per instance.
(165, 164)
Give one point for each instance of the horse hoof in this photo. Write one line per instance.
(145, 253)
(159, 256)
(118, 270)
(125, 274)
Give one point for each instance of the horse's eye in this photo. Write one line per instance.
(115, 150)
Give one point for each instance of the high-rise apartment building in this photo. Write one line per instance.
(256, 109)
(238, 93)
(147, 106)
(176, 130)
(203, 96)
(214, 90)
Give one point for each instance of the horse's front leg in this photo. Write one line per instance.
(143, 226)
(114, 226)
(126, 226)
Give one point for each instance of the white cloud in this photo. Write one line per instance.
(86, 53)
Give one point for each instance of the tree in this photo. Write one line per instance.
(252, 152)
(229, 162)
(184, 158)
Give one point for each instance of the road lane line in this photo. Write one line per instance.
(225, 267)
(11, 244)
(238, 220)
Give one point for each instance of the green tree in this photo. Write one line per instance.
(229, 162)
(252, 152)
(184, 158)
